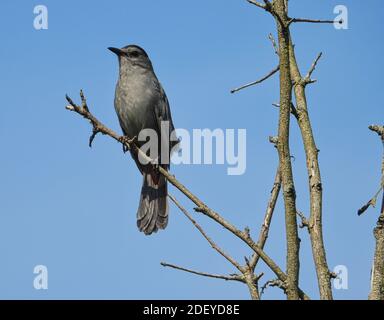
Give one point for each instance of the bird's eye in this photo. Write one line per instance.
(134, 54)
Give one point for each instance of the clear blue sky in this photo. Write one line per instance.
(72, 208)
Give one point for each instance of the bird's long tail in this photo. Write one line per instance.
(152, 213)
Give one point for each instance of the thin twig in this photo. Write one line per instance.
(274, 44)
(257, 4)
(293, 109)
(273, 283)
(271, 73)
(267, 218)
(267, 6)
(83, 101)
(371, 202)
(295, 20)
(304, 220)
(205, 274)
(210, 241)
(307, 78)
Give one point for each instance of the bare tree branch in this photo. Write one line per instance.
(203, 233)
(304, 221)
(271, 73)
(257, 4)
(293, 109)
(280, 11)
(285, 165)
(267, 218)
(270, 7)
(371, 202)
(295, 20)
(378, 129)
(248, 275)
(314, 178)
(244, 235)
(233, 277)
(273, 283)
(201, 206)
(307, 78)
(275, 47)
(377, 281)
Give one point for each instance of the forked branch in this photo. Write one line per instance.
(98, 127)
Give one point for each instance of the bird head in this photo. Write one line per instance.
(132, 55)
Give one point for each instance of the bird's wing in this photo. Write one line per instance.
(162, 110)
(163, 113)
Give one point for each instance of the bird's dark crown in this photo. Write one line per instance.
(133, 47)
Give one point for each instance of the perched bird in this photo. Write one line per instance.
(141, 103)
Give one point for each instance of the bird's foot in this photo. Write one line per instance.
(127, 142)
(133, 140)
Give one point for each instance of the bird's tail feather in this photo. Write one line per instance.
(152, 213)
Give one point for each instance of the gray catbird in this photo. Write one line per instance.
(141, 103)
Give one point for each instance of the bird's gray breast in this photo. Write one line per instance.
(135, 102)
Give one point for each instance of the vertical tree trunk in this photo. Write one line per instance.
(377, 286)
(284, 153)
(315, 227)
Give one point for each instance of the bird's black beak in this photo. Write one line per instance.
(117, 51)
